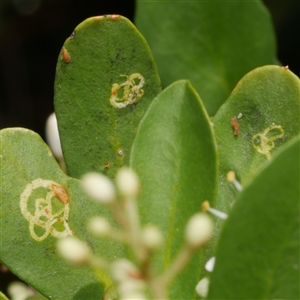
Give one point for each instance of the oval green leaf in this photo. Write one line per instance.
(211, 43)
(30, 203)
(258, 252)
(174, 154)
(265, 106)
(105, 80)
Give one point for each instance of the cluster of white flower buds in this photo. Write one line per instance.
(132, 282)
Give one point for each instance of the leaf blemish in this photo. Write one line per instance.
(235, 125)
(264, 144)
(71, 37)
(128, 92)
(65, 55)
(60, 193)
(113, 17)
(46, 213)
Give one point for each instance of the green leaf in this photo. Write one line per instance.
(2, 296)
(258, 252)
(268, 102)
(36, 297)
(175, 156)
(211, 43)
(29, 178)
(104, 59)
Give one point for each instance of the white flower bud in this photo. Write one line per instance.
(202, 287)
(128, 182)
(52, 136)
(123, 269)
(198, 230)
(134, 296)
(99, 226)
(131, 288)
(74, 250)
(18, 291)
(209, 266)
(152, 237)
(99, 187)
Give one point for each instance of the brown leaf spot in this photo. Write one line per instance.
(61, 193)
(235, 125)
(65, 55)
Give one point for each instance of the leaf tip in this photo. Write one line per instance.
(113, 17)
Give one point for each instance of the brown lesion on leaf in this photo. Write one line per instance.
(65, 55)
(46, 215)
(60, 193)
(235, 125)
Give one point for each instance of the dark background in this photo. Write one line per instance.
(32, 33)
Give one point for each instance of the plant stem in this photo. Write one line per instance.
(178, 264)
(119, 215)
(130, 206)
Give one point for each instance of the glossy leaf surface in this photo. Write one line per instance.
(211, 43)
(175, 156)
(105, 60)
(35, 213)
(258, 252)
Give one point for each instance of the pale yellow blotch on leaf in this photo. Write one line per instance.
(44, 215)
(132, 91)
(264, 144)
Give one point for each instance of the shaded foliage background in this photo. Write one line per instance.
(31, 36)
